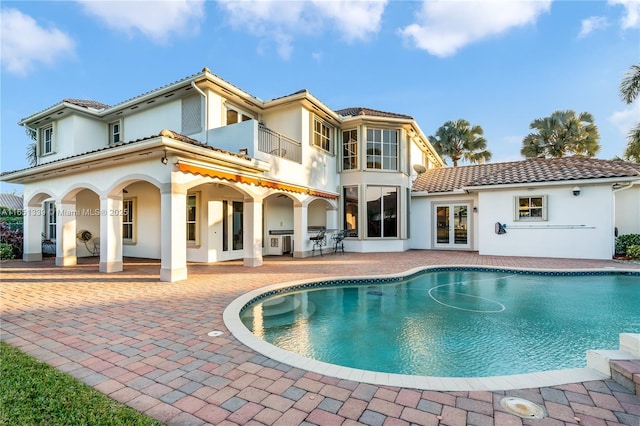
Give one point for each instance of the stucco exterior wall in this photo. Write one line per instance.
(151, 121)
(147, 242)
(577, 227)
(88, 134)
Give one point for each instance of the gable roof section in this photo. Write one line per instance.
(87, 104)
(356, 111)
(533, 170)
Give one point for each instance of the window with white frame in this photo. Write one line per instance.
(235, 115)
(350, 149)
(128, 220)
(46, 140)
(50, 220)
(192, 218)
(531, 208)
(115, 135)
(322, 134)
(382, 149)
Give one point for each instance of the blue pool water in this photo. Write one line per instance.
(452, 323)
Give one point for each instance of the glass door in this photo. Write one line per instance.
(452, 226)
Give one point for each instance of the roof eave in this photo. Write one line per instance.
(155, 144)
(564, 182)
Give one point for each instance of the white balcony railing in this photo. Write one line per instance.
(277, 144)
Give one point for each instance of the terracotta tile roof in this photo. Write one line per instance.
(87, 103)
(355, 111)
(533, 170)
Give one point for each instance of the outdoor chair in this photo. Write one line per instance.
(318, 240)
(338, 243)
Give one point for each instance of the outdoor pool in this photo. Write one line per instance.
(450, 322)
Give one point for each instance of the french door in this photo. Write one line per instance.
(452, 226)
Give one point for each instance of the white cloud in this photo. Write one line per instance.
(442, 28)
(157, 20)
(631, 19)
(279, 22)
(25, 43)
(626, 119)
(591, 24)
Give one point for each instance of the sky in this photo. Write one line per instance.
(497, 64)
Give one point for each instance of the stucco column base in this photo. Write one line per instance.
(66, 261)
(252, 261)
(32, 257)
(173, 275)
(115, 266)
(301, 254)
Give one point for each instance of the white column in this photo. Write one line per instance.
(111, 234)
(66, 233)
(252, 233)
(173, 238)
(32, 229)
(300, 231)
(332, 218)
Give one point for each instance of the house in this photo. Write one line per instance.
(201, 171)
(559, 207)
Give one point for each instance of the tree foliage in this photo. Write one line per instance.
(562, 133)
(458, 140)
(629, 90)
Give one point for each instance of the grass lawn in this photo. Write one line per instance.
(34, 393)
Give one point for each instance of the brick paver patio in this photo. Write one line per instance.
(144, 343)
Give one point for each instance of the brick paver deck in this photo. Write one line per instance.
(144, 342)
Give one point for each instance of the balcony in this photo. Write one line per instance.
(278, 144)
(251, 135)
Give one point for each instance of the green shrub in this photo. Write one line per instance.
(6, 251)
(624, 241)
(633, 251)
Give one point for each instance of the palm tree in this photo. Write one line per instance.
(32, 148)
(562, 133)
(629, 89)
(459, 140)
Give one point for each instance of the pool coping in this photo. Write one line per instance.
(231, 318)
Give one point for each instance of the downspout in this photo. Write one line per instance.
(206, 112)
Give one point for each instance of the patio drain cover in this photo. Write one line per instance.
(522, 408)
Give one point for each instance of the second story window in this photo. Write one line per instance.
(115, 135)
(236, 116)
(382, 149)
(350, 150)
(46, 140)
(322, 134)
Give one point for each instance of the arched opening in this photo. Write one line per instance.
(279, 224)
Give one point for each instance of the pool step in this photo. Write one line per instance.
(622, 365)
